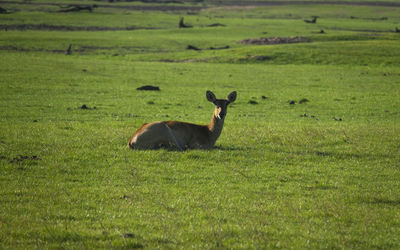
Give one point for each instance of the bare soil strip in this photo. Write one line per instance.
(270, 3)
(274, 40)
(147, 7)
(155, 5)
(67, 28)
(74, 49)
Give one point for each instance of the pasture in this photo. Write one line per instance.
(309, 156)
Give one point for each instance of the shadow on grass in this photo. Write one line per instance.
(336, 155)
(382, 201)
(231, 148)
(175, 149)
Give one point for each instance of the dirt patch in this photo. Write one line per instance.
(275, 40)
(255, 58)
(150, 6)
(73, 49)
(128, 235)
(216, 25)
(191, 47)
(67, 28)
(23, 158)
(204, 59)
(370, 18)
(77, 8)
(254, 4)
(84, 106)
(259, 58)
(314, 20)
(234, 7)
(304, 100)
(365, 30)
(3, 11)
(253, 102)
(219, 48)
(159, 5)
(20, 49)
(150, 1)
(309, 116)
(156, 7)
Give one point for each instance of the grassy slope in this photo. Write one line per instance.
(276, 179)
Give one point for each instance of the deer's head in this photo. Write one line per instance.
(221, 105)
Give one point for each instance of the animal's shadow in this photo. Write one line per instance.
(176, 149)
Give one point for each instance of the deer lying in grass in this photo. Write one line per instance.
(183, 135)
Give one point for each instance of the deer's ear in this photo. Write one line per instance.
(210, 96)
(232, 97)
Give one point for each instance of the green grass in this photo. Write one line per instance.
(322, 174)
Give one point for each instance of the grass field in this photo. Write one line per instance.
(323, 172)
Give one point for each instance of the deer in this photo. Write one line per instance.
(182, 135)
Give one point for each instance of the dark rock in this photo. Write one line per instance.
(217, 48)
(128, 235)
(183, 25)
(22, 158)
(149, 87)
(76, 8)
(69, 50)
(216, 25)
(304, 100)
(192, 47)
(314, 20)
(3, 11)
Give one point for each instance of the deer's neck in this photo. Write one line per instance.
(215, 127)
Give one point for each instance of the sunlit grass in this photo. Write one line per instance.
(319, 173)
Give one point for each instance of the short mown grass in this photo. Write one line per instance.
(322, 172)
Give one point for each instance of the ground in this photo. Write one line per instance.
(308, 157)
